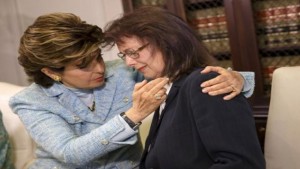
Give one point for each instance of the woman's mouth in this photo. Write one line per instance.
(141, 69)
(99, 79)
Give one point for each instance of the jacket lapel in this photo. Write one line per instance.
(73, 106)
(150, 141)
(172, 94)
(104, 98)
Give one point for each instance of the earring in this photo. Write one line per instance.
(56, 78)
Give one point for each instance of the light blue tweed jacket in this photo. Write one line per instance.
(69, 135)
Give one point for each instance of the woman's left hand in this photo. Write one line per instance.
(228, 81)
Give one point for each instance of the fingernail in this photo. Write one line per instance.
(204, 90)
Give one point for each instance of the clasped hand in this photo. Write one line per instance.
(147, 96)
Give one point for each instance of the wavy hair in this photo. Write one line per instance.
(53, 41)
(182, 50)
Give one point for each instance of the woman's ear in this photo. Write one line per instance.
(53, 75)
(47, 71)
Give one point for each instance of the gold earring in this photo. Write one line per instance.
(56, 78)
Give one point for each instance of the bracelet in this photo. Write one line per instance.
(133, 125)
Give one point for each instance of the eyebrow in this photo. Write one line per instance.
(130, 50)
(139, 48)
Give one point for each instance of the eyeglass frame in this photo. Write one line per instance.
(134, 54)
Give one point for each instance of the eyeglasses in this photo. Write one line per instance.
(132, 53)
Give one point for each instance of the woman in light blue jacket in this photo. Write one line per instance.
(80, 112)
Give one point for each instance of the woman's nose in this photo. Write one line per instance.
(99, 67)
(130, 61)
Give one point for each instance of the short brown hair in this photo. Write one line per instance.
(182, 50)
(55, 40)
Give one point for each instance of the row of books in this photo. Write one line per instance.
(278, 29)
(290, 12)
(211, 26)
(218, 45)
(281, 39)
(209, 23)
(278, 23)
(277, 13)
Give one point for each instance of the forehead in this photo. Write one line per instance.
(129, 42)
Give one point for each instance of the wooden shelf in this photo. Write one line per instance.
(280, 51)
(193, 5)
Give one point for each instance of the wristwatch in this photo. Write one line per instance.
(132, 124)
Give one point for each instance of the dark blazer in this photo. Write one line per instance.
(198, 131)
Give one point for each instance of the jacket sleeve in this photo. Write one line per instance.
(249, 84)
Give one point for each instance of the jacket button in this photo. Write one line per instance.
(76, 118)
(104, 142)
(125, 99)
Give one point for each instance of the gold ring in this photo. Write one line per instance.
(157, 96)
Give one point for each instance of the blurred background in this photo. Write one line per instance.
(17, 15)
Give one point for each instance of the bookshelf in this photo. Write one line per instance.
(277, 30)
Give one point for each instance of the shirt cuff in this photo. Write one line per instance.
(126, 133)
(249, 84)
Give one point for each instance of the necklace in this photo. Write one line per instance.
(92, 108)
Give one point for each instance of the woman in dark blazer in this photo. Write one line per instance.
(191, 129)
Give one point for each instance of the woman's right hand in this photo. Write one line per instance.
(147, 97)
(230, 82)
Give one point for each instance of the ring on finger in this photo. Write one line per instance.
(157, 96)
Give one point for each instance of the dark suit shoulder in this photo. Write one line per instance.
(196, 75)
